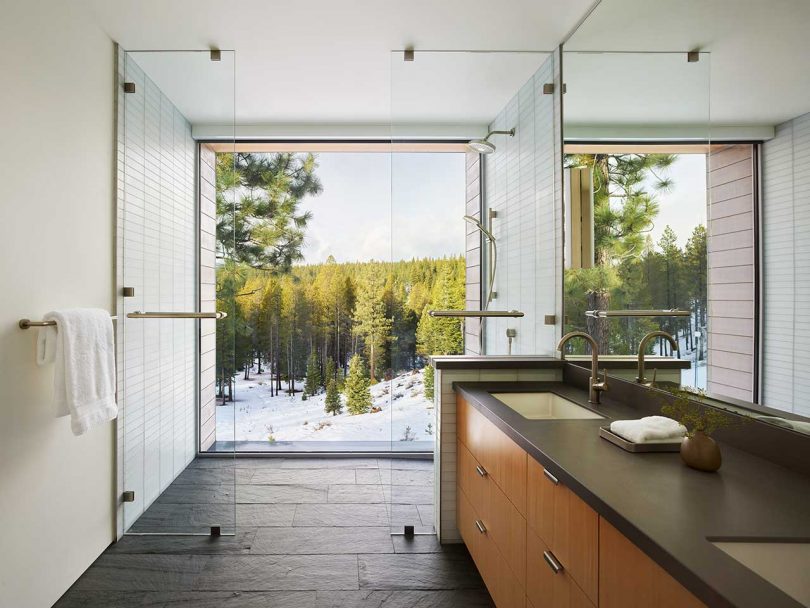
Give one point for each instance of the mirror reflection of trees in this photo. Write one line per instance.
(631, 270)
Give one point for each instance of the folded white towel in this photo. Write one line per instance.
(83, 352)
(650, 428)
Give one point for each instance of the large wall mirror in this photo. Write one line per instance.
(686, 204)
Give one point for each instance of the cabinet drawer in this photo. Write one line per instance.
(544, 587)
(504, 460)
(504, 523)
(503, 585)
(565, 524)
(630, 579)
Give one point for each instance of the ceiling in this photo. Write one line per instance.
(330, 61)
(757, 68)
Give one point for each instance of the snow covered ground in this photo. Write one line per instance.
(256, 416)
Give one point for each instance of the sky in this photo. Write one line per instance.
(398, 206)
(684, 206)
(386, 206)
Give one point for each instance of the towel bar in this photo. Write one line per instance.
(176, 315)
(26, 323)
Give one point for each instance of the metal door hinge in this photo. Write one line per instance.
(128, 496)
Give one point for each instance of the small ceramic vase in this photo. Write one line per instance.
(701, 452)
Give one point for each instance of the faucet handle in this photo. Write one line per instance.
(603, 383)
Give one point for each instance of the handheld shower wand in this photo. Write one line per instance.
(492, 242)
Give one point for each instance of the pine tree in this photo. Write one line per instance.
(332, 404)
(329, 371)
(623, 214)
(358, 392)
(429, 380)
(259, 222)
(372, 324)
(313, 381)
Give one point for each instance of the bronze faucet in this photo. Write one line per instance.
(642, 347)
(596, 385)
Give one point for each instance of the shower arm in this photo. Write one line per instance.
(510, 132)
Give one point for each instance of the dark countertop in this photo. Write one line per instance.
(495, 362)
(533, 362)
(666, 508)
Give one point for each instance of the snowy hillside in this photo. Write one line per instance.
(259, 417)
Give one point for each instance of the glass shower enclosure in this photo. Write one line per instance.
(167, 265)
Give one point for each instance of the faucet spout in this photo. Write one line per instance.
(642, 348)
(596, 385)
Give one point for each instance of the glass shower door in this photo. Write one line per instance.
(165, 316)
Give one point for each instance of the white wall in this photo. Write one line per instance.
(56, 250)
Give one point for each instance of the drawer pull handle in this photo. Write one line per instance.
(481, 471)
(480, 525)
(552, 562)
(551, 477)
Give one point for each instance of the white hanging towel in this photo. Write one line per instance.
(82, 349)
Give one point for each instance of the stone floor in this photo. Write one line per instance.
(310, 533)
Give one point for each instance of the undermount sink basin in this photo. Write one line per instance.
(545, 406)
(783, 564)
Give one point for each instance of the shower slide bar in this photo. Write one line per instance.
(28, 323)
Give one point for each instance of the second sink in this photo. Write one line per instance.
(545, 406)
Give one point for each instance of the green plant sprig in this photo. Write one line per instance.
(688, 409)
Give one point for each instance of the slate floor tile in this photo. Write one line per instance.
(368, 476)
(197, 545)
(322, 540)
(289, 494)
(447, 570)
(142, 572)
(278, 573)
(330, 463)
(342, 515)
(467, 598)
(323, 476)
(354, 493)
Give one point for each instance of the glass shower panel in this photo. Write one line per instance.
(167, 215)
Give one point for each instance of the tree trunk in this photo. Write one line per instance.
(598, 327)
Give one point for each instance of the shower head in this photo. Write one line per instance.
(471, 220)
(484, 146)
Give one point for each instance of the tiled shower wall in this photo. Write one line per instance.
(156, 253)
(522, 183)
(785, 285)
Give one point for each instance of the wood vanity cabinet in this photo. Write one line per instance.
(544, 587)
(569, 529)
(630, 579)
(535, 542)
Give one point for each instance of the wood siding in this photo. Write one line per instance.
(731, 264)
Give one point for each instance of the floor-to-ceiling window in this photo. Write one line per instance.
(333, 271)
